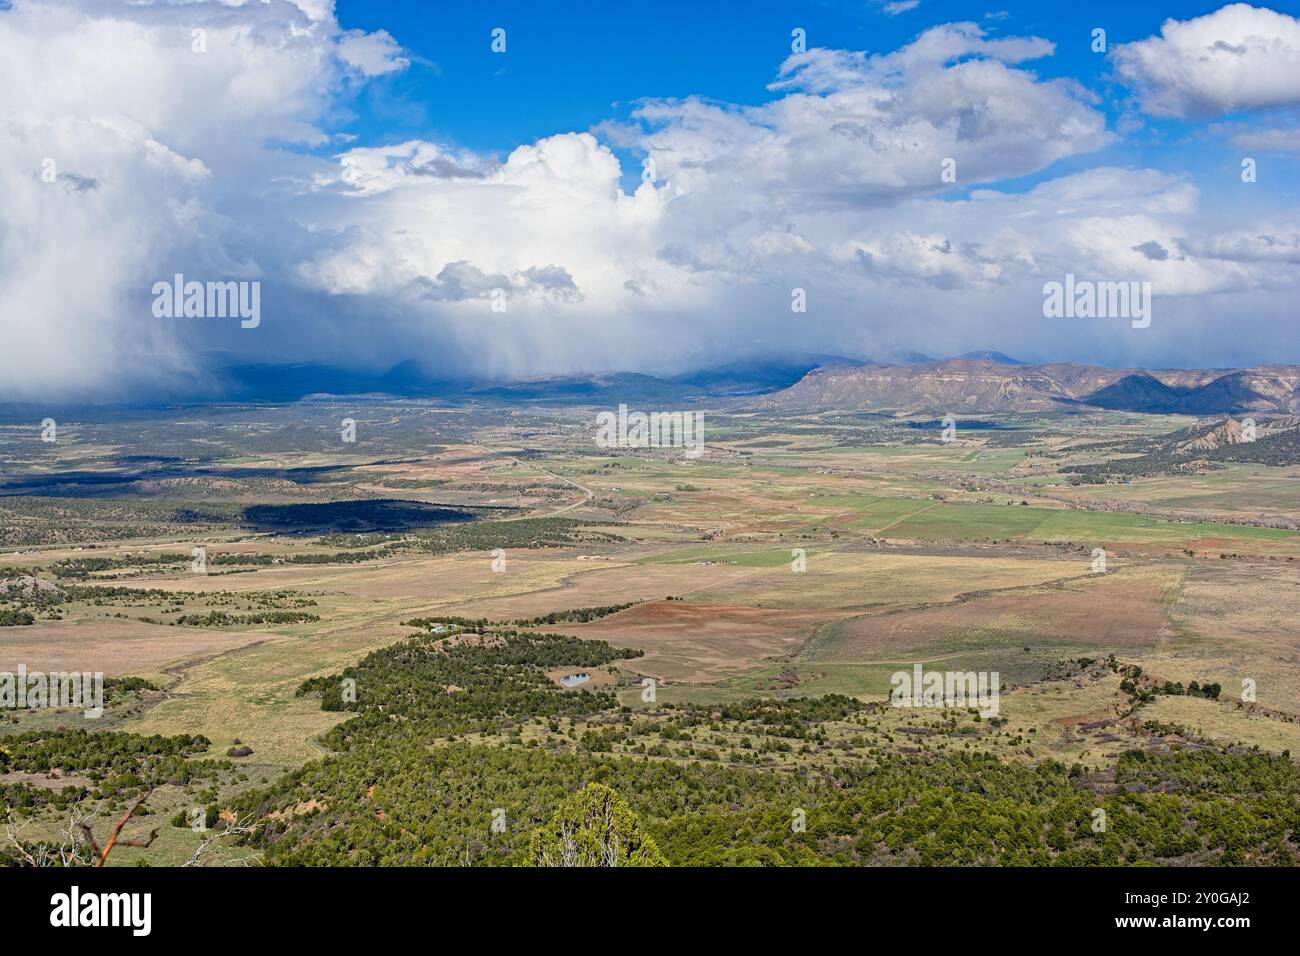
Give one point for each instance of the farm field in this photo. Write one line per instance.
(792, 572)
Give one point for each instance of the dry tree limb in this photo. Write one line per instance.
(239, 827)
(102, 855)
(15, 841)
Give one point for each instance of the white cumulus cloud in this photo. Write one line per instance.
(1235, 59)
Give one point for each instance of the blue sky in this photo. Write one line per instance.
(593, 62)
(572, 71)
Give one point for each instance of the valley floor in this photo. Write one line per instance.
(741, 621)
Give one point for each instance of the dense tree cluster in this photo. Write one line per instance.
(576, 615)
(402, 802)
(40, 751)
(117, 763)
(463, 685)
(224, 619)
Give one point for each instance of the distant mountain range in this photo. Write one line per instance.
(988, 385)
(233, 381)
(976, 382)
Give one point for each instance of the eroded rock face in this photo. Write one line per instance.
(1232, 432)
(964, 385)
(29, 586)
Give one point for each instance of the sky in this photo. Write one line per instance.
(512, 190)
